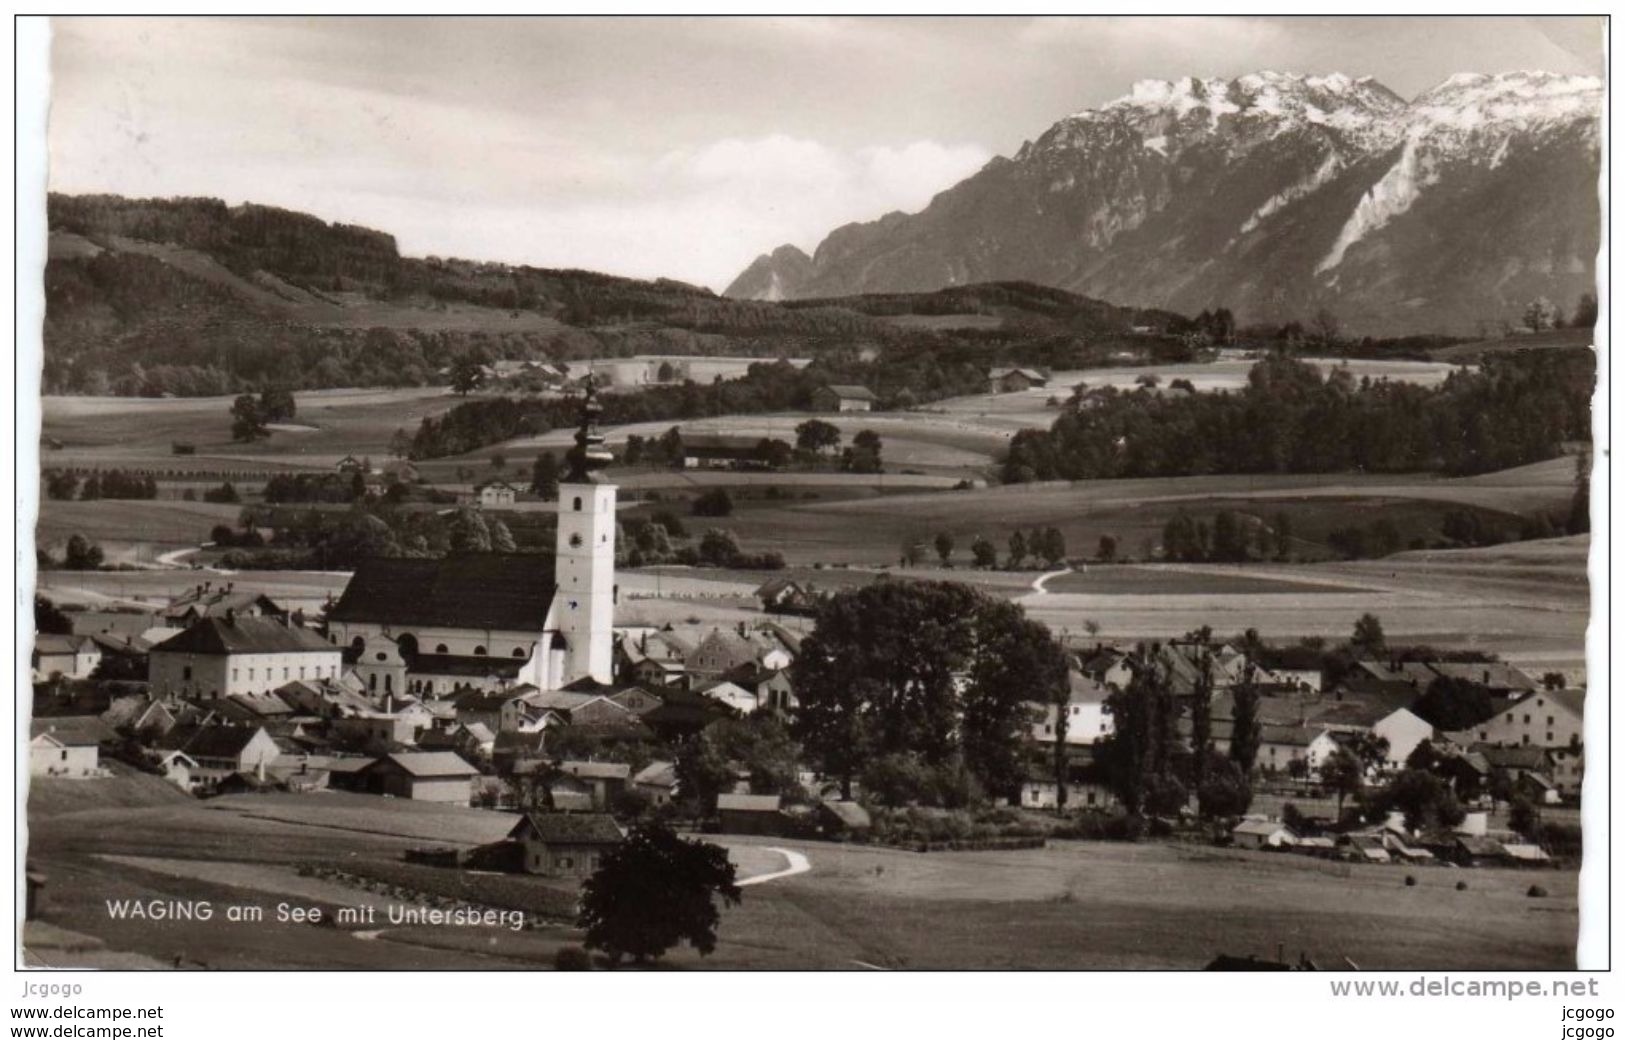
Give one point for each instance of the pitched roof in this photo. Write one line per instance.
(1571, 700)
(851, 392)
(569, 828)
(71, 730)
(214, 741)
(214, 602)
(598, 770)
(511, 591)
(1260, 827)
(431, 763)
(50, 643)
(657, 774)
(1515, 757)
(244, 635)
(748, 803)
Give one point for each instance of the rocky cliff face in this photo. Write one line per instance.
(1275, 195)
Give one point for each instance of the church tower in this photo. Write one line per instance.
(585, 566)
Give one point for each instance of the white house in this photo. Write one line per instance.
(72, 657)
(1543, 718)
(220, 656)
(219, 751)
(498, 494)
(65, 747)
(1262, 834)
(1087, 720)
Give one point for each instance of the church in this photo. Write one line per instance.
(429, 627)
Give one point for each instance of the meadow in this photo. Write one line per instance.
(1070, 905)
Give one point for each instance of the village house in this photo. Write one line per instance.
(67, 746)
(220, 656)
(530, 710)
(772, 688)
(208, 599)
(787, 596)
(424, 776)
(178, 768)
(605, 781)
(843, 398)
(730, 694)
(565, 845)
(1087, 720)
(497, 494)
(750, 813)
(1281, 746)
(218, 751)
(657, 782)
(1015, 380)
(71, 657)
(1262, 834)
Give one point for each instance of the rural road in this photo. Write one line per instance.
(1042, 579)
(798, 865)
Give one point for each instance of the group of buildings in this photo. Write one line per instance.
(1528, 736)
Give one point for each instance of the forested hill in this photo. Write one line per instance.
(191, 296)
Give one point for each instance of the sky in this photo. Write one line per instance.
(648, 147)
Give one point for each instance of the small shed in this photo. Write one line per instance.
(750, 813)
(1262, 834)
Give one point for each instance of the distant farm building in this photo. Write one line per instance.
(1014, 380)
(842, 398)
(727, 451)
(498, 494)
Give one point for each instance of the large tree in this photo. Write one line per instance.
(1343, 773)
(1246, 733)
(815, 435)
(935, 670)
(656, 890)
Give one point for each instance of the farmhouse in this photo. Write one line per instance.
(498, 494)
(71, 657)
(221, 656)
(843, 398)
(657, 782)
(425, 776)
(605, 781)
(1540, 718)
(565, 844)
(1086, 719)
(210, 600)
(786, 596)
(66, 747)
(550, 619)
(730, 451)
(1014, 380)
(219, 751)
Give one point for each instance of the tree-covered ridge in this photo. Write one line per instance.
(1515, 409)
(191, 296)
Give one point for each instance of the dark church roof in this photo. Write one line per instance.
(469, 590)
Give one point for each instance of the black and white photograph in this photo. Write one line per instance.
(790, 493)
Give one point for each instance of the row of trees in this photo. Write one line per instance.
(66, 485)
(1040, 545)
(1515, 409)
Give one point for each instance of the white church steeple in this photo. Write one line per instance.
(585, 567)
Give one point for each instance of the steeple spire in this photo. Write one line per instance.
(589, 454)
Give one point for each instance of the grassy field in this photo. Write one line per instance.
(1072, 905)
(1030, 408)
(138, 432)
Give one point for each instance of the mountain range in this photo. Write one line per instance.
(1278, 196)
